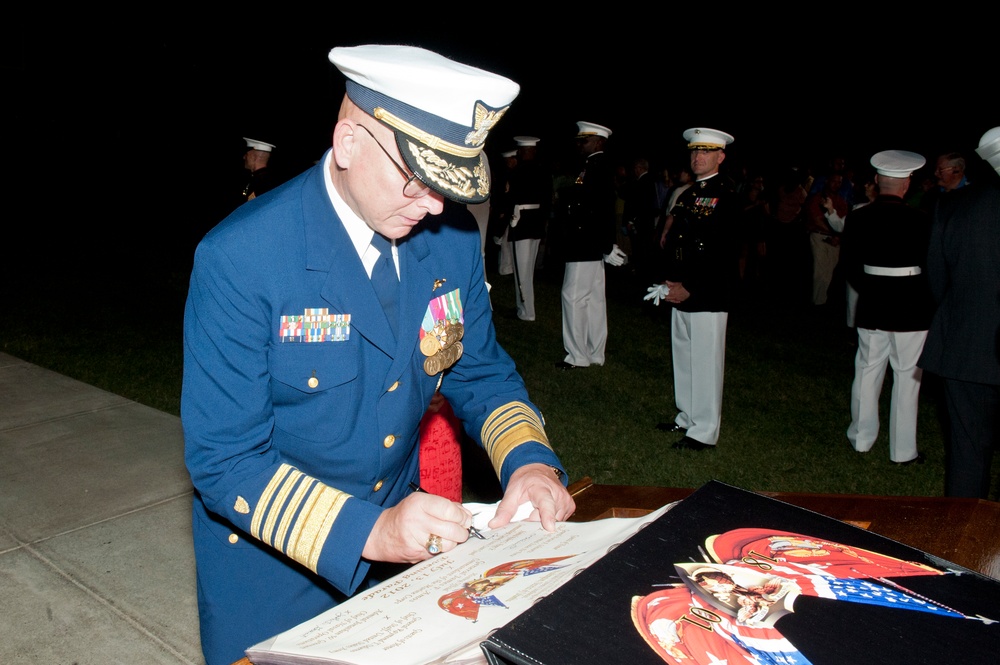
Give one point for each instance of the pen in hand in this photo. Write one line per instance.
(473, 531)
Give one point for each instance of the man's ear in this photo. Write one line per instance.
(343, 143)
(722, 156)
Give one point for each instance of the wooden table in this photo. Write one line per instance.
(963, 531)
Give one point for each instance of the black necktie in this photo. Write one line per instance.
(385, 281)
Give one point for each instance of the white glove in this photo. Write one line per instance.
(616, 258)
(657, 292)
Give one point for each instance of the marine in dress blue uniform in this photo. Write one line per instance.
(587, 236)
(300, 406)
(702, 264)
(529, 199)
(885, 254)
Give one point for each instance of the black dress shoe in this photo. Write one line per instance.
(670, 427)
(687, 443)
(919, 459)
(563, 365)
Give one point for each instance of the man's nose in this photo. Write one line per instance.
(432, 202)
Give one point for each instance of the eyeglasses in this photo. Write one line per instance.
(413, 188)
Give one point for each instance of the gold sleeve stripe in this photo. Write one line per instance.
(508, 427)
(301, 492)
(314, 524)
(260, 511)
(279, 508)
(308, 516)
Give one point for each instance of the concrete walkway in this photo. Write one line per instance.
(96, 564)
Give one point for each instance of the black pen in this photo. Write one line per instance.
(473, 531)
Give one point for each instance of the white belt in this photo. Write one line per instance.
(882, 271)
(517, 211)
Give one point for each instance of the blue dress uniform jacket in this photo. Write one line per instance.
(888, 233)
(702, 246)
(295, 444)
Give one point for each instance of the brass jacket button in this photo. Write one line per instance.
(394, 386)
(233, 539)
(378, 485)
(388, 441)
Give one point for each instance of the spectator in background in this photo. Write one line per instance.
(640, 217)
(824, 241)
(784, 246)
(949, 173)
(963, 265)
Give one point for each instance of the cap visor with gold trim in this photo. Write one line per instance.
(439, 110)
(705, 138)
(585, 129)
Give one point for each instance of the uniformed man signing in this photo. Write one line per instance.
(321, 318)
(702, 269)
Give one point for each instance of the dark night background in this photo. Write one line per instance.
(123, 135)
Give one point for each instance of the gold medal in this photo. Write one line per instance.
(432, 365)
(429, 345)
(450, 355)
(458, 330)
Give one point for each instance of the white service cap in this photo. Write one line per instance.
(705, 138)
(897, 163)
(584, 129)
(440, 111)
(526, 141)
(989, 147)
(254, 144)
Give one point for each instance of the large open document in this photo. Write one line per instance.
(440, 610)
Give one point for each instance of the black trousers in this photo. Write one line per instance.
(974, 423)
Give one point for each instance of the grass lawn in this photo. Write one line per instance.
(785, 407)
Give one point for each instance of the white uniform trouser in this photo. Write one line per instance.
(506, 266)
(584, 313)
(525, 253)
(698, 344)
(876, 350)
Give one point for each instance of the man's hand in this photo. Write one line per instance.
(656, 293)
(538, 484)
(401, 533)
(678, 293)
(616, 258)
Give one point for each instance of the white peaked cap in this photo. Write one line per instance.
(897, 163)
